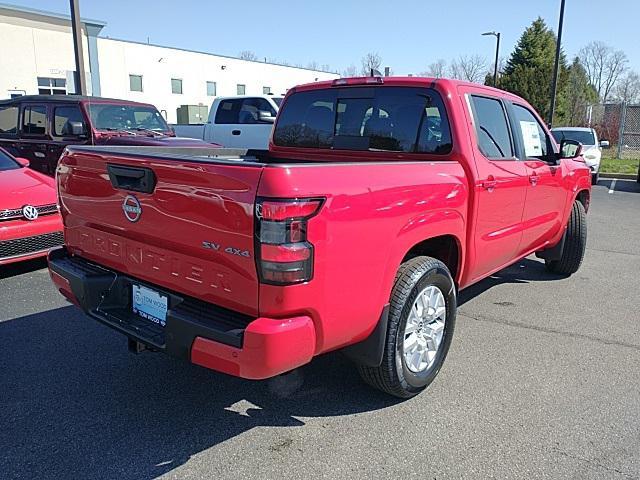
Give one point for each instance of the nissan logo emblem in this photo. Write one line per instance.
(131, 208)
(30, 212)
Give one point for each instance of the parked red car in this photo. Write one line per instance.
(379, 200)
(39, 127)
(30, 223)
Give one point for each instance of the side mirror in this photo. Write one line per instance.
(77, 129)
(23, 162)
(604, 144)
(570, 149)
(265, 117)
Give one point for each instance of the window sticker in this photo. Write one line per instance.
(531, 138)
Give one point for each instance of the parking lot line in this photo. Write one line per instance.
(612, 186)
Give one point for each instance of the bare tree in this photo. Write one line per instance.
(472, 68)
(628, 88)
(350, 71)
(604, 65)
(371, 61)
(313, 65)
(248, 55)
(437, 69)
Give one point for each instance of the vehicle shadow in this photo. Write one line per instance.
(524, 271)
(20, 268)
(76, 404)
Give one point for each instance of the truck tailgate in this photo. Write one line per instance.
(192, 233)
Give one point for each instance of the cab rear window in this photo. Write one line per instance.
(394, 119)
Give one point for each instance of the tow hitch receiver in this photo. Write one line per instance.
(136, 347)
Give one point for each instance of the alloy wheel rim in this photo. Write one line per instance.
(424, 329)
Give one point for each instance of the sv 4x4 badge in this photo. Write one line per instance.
(230, 250)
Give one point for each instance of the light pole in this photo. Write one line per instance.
(76, 28)
(554, 79)
(495, 68)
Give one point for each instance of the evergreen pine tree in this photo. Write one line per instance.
(530, 67)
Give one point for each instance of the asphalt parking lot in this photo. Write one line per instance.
(542, 381)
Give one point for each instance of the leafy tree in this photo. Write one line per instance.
(578, 93)
(530, 67)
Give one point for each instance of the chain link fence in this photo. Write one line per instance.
(619, 123)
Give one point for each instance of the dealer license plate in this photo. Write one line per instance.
(149, 304)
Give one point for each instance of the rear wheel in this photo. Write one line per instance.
(574, 244)
(594, 178)
(422, 314)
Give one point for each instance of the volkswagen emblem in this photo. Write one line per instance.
(131, 208)
(29, 212)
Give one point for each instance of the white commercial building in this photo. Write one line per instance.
(37, 57)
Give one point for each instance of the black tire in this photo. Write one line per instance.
(393, 376)
(574, 244)
(594, 178)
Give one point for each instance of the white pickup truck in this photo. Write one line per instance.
(236, 122)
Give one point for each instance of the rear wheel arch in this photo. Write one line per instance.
(584, 197)
(446, 248)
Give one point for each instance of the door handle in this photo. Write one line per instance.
(533, 179)
(490, 183)
(235, 132)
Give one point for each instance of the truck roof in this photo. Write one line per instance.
(69, 99)
(572, 129)
(445, 83)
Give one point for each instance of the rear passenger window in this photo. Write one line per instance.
(492, 128)
(8, 120)
(62, 118)
(34, 120)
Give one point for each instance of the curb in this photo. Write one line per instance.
(621, 176)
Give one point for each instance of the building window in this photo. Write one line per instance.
(135, 83)
(176, 85)
(52, 86)
(266, 90)
(241, 89)
(211, 89)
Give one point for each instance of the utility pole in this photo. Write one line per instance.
(495, 67)
(554, 80)
(76, 28)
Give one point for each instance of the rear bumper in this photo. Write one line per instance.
(205, 334)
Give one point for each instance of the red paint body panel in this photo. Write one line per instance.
(192, 203)
(19, 187)
(376, 207)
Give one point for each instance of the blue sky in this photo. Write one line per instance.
(407, 34)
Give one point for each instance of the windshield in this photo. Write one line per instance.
(582, 136)
(393, 119)
(277, 100)
(106, 116)
(6, 162)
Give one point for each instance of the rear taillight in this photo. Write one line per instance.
(285, 256)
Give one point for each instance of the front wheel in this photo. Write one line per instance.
(594, 178)
(422, 315)
(575, 243)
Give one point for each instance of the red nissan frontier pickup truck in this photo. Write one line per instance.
(378, 200)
